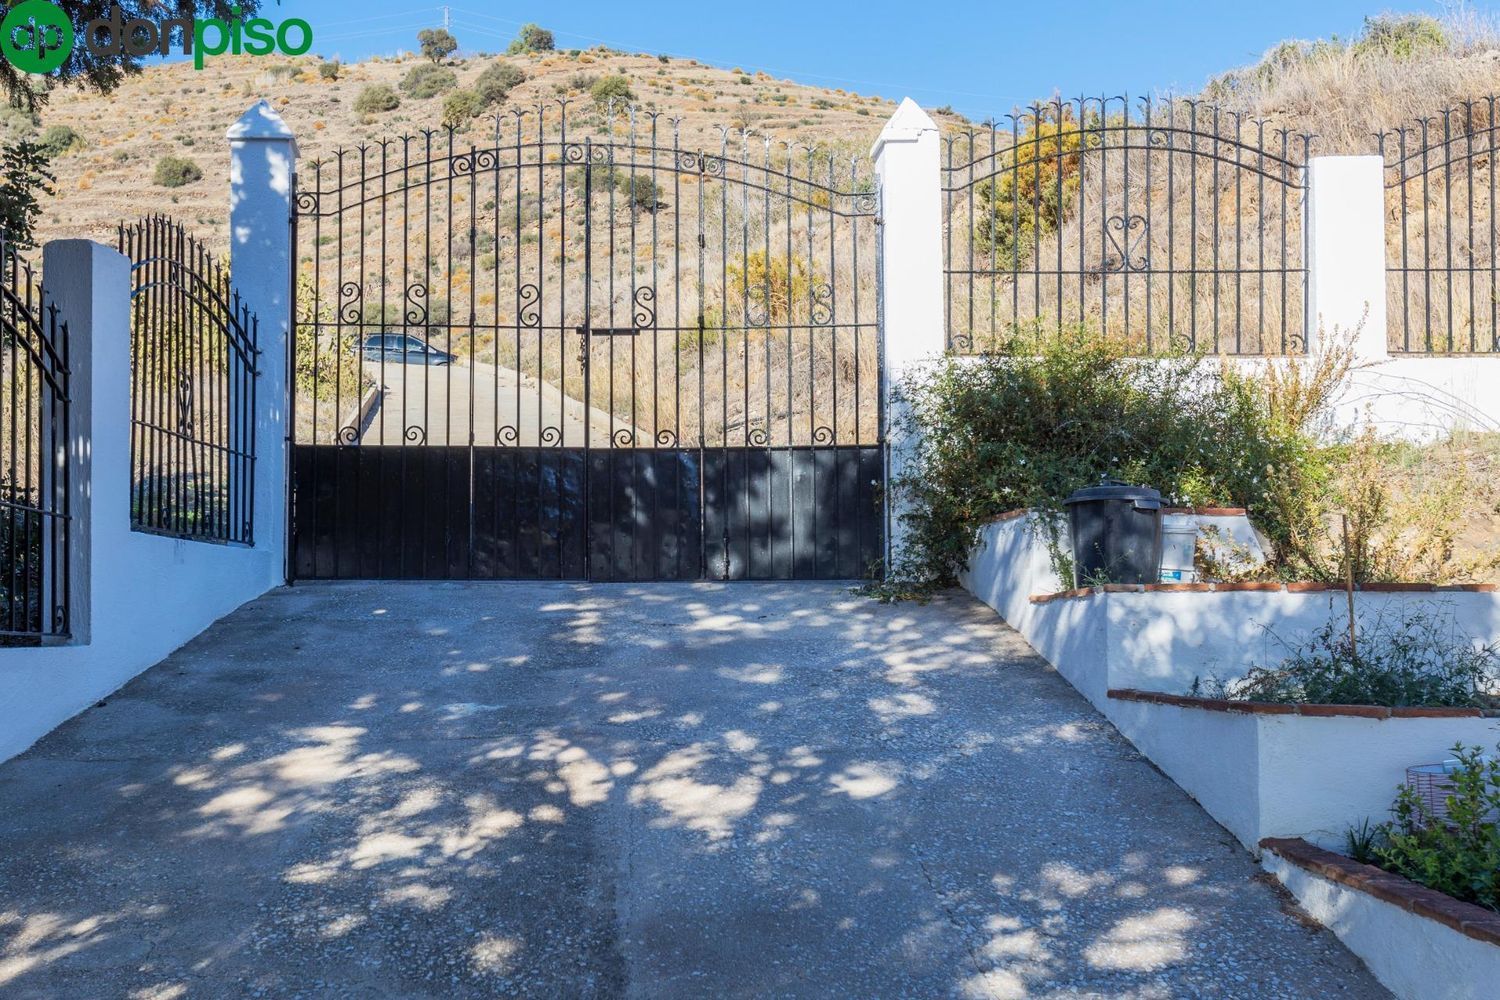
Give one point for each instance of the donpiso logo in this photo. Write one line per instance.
(37, 36)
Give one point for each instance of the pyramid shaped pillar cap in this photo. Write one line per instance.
(906, 125)
(261, 121)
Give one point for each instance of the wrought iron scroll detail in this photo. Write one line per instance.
(1129, 243)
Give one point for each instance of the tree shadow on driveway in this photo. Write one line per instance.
(449, 790)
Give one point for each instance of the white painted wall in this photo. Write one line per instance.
(1213, 756)
(137, 597)
(1345, 233)
(1288, 775)
(1159, 641)
(1413, 957)
(1317, 776)
(1258, 775)
(1424, 398)
(907, 169)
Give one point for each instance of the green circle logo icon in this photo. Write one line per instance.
(36, 36)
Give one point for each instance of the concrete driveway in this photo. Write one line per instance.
(418, 790)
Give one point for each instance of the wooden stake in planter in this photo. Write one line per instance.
(1349, 590)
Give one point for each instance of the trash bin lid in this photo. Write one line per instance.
(1114, 489)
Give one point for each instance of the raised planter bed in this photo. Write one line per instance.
(1261, 770)
(1418, 942)
(1163, 637)
(1282, 770)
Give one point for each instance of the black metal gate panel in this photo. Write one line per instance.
(598, 346)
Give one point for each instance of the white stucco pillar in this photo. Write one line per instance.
(907, 168)
(1345, 220)
(262, 171)
(89, 283)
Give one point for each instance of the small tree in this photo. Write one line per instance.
(376, 98)
(437, 44)
(614, 87)
(461, 106)
(531, 38)
(497, 81)
(174, 171)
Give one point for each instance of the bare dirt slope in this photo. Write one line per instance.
(173, 109)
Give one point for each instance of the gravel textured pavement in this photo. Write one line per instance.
(570, 790)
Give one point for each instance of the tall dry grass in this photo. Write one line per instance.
(1420, 91)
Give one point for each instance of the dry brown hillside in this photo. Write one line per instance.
(173, 109)
(1342, 91)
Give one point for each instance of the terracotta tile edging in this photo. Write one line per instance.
(1304, 710)
(1295, 587)
(1467, 918)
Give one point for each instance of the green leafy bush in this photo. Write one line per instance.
(1414, 658)
(1401, 36)
(460, 107)
(497, 81)
(60, 139)
(1057, 411)
(176, 171)
(427, 80)
(638, 191)
(611, 88)
(376, 98)
(1459, 853)
(531, 38)
(17, 123)
(330, 70)
(641, 192)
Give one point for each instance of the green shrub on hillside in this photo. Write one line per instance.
(60, 139)
(531, 38)
(1031, 199)
(460, 107)
(497, 81)
(611, 88)
(329, 70)
(641, 192)
(17, 123)
(175, 171)
(428, 80)
(1401, 36)
(376, 98)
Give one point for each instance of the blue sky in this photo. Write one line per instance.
(980, 56)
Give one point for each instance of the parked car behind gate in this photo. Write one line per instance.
(403, 349)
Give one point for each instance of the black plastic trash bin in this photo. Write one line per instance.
(1116, 531)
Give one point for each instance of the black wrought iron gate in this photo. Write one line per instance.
(598, 346)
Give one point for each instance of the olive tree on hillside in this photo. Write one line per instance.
(437, 44)
(531, 38)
